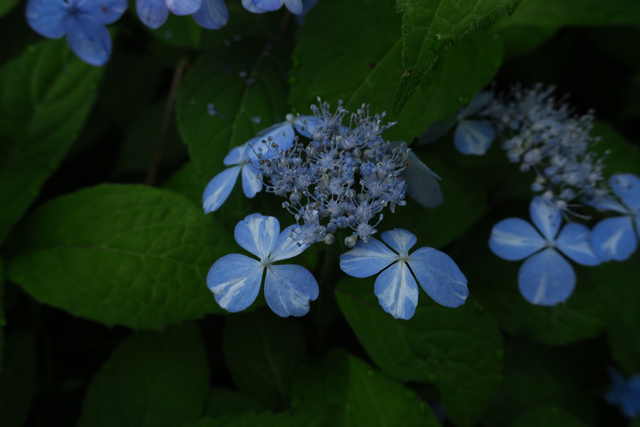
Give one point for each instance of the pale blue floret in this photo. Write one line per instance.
(615, 238)
(262, 6)
(82, 21)
(235, 279)
(545, 278)
(209, 14)
(625, 393)
(396, 286)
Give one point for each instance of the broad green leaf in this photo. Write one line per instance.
(534, 377)
(460, 350)
(449, 85)
(151, 379)
(246, 87)
(355, 394)
(6, 6)
(429, 27)
(550, 416)
(552, 13)
(464, 204)
(262, 352)
(223, 402)
(118, 254)
(187, 182)
(3, 322)
(18, 379)
(179, 31)
(347, 50)
(47, 93)
(264, 419)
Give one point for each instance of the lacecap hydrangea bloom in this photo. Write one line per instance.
(625, 393)
(235, 279)
(615, 238)
(263, 6)
(82, 21)
(546, 277)
(209, 14)
(396, 286)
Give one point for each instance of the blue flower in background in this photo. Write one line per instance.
(396, 286)
(209, 14)
(545, 278)
(235, 279)
(615, 238)
(472, 136)
(262, 6)
(82, 21)
(625, 393)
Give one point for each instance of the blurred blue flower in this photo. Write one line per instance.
(545, 278)
(615, 238)
(82, 21)
(625, 393)
(235, 279)
(262, 6)
(396, 286)
(209, 14)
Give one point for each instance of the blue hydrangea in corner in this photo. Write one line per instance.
(263, 6)
(396, 286)
(625, 393)
(235, 279)
(209, 14)
(82, 21)
(545, 278)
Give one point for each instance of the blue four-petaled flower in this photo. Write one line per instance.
(625, 393)
(235, 279)
(82, 21)
(614, 238)
(396, 286)
(545, 278)
(262, 6)
(209, 14)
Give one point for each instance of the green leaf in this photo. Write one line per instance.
(47, 93)
(118, 254)
(535, 377)
(187, 182)
(355, 394)
(6, 6)
(464, 204)
(262, 351)
(223, 402)
(18, 379)
(151, 379)
(356, 60)
(428, 28)
(550, 416)
(3, 322)
(449, 86)
(264, 419)
(215, 79)
(179, 31)
(460, 350)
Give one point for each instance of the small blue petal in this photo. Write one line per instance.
(104, 11)
(258, 234)
(546, 216)
(614, 239)
(268, 5)
(235, 281)
(514, 239)
(439, 276)
(367, 259)
(606, 204)
(248, 4)
(286, 247)
(251, 180)
(239, 154)
(183, 7)
(546, 278)
(219, 188)
(400, 240)
(574, 241)
(422, 183)
(294, 6)
(212, 15)
(307, 125)
(478, 102)
(288, 290)
(89, 39)
(397, 291)
(473, 137)
(152, 13)
(627, 187)
(282, 135)
(436, 130)
(48, 17)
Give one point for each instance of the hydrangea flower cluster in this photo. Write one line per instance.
(625, 393)
(209, 14)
